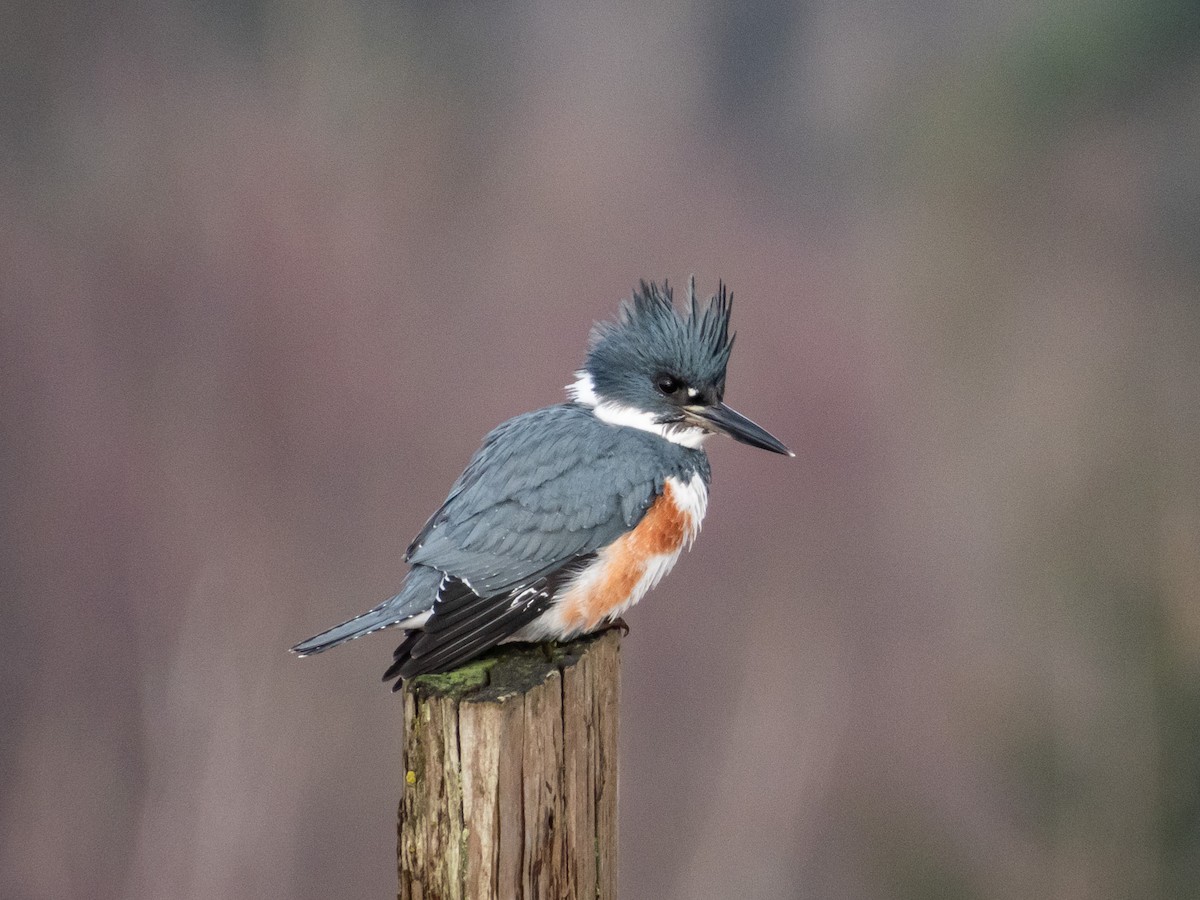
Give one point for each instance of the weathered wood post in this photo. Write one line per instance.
(510, 776)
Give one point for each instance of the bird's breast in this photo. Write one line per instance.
(632, 564)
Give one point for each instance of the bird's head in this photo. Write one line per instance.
(663, 370)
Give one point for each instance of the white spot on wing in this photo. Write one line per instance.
(416, 621)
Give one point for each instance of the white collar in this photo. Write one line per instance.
(583, 392)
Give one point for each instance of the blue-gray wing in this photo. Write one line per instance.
(545, 488)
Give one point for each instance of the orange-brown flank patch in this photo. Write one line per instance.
(622, 563)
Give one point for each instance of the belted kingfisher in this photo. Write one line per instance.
(568, 515)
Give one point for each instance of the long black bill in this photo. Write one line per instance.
(731, 422)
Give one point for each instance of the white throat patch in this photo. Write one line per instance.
(583, 392)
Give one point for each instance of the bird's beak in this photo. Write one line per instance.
(722, 418)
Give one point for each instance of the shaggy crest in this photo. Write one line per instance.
(651, 334)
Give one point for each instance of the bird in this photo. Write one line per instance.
(566, 516)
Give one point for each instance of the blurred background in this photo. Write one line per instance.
(271, 270)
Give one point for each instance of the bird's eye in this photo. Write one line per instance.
(668, 384)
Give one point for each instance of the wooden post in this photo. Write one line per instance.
(510, 776)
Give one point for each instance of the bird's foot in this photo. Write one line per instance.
(620, 622)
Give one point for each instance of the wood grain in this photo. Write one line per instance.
(510, 776)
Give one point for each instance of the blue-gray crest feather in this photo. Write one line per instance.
(651, 334)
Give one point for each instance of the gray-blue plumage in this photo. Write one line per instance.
(415, 597)
(545, 487)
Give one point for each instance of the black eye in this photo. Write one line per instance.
(668, 384)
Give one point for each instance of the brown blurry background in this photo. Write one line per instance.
(271, 270)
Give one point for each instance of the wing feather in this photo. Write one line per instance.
(464, 624)
(542, 490)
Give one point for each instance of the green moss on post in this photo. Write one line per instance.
(460, 681)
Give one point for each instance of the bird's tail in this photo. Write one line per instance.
(409, 607)
(378, 618)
